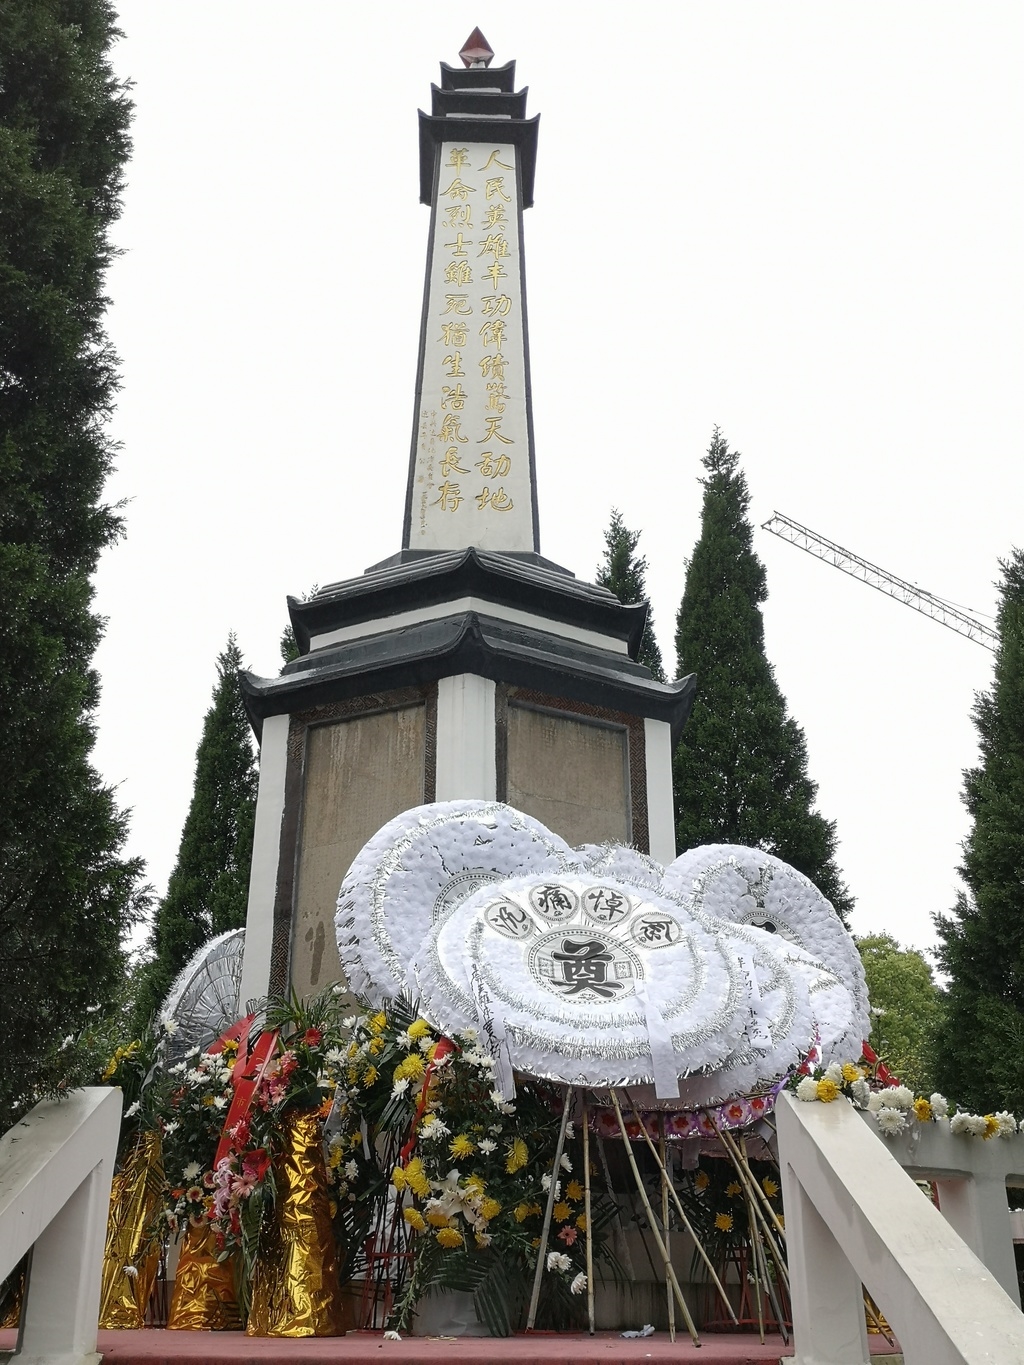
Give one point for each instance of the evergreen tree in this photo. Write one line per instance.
(626, 576)
(980, 1058)
(209, 886)
(906, 1007)
(67, 894)
(740, 770)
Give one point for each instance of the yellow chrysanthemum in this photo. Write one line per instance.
(355, 1140)
(922, 1110)
(770, 1187)
(375, 1046)
(334, 1156)
(398, 1178)
(574, 1191)
(475, 1186)
(733, 1189)
(723, 1222)
(581, 1222)
(353, 1050)
(416, 1178)
(208, 1101)
(489, 1208)
(852, 1073)
(827, 1090)
(352, 1075)
(370, 1075)
(461, 1146)
(450, 1237)
(418, 1030)
(521, 1212)
(377, 1022)
(703, 1180)
(410, 1069)
(437, 1219)
(991, 1126)
(562, 1211)
(415, 1220)
(517, 1157)
(536, 1210)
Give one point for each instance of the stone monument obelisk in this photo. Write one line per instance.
(466, 665)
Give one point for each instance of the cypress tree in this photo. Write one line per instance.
(625, 574)
(209, 886)
(67, 895)
(740, 770)
(980, 1054)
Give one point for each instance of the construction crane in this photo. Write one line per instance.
(925, 602)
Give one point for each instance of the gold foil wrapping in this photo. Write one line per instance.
(203, 1299)
(132, 1253)
(295, 1288)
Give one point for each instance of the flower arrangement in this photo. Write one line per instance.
(466, 1174)
(895, 1108)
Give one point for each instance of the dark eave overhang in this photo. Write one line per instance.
(466, 102)
(478, 77)
(468, 642)
(438, 578)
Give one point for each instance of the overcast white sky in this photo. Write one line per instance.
(801, 221)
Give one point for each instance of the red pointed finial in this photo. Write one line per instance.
(475, 50)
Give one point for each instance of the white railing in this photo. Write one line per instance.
(853, 1217)
(56, 1168)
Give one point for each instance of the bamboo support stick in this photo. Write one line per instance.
(586, 1214)
(686, 1222)
(653, 1221)
(766, 1274)
(747, 1180)
(670, 1301)
(546, 1229)
(759, 1192)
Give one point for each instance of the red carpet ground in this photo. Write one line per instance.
(157, 1347)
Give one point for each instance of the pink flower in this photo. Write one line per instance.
(568, 1235)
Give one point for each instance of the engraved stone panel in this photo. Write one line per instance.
(571, 773)
(359, 774)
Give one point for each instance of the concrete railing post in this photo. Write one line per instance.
(828, 1312)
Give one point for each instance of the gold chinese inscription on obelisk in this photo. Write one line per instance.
(472, 479)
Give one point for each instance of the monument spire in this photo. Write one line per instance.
(471, 476)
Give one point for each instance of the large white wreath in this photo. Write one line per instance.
(416, 869)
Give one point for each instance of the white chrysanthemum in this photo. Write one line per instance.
(400, 1087)
(500, 1103)
(351, 1170)
(807, 1090)
(170, 1026)
(1007, 1123)
(861, 1094)
(566, 1162)
(890, 1121)
(192, 1171)
(875, 1102)
(220, 1101)
(334, 1055)
(557, 1260)
(960, 1123)
(978, 1125)
(131, 1271)
(940, 1106)
(579, 1284)
(487, 1146)
(435, 1130)
(897, 1097)
(834, 1073)
(132, 1110)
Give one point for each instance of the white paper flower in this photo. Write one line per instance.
(392, 1336)
(861, 1093)
(131, 1271)
(940, 1105)
(579, 1284)
(170, 1027)
(807, 1090)
(557, 1260)
(890, 1121)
